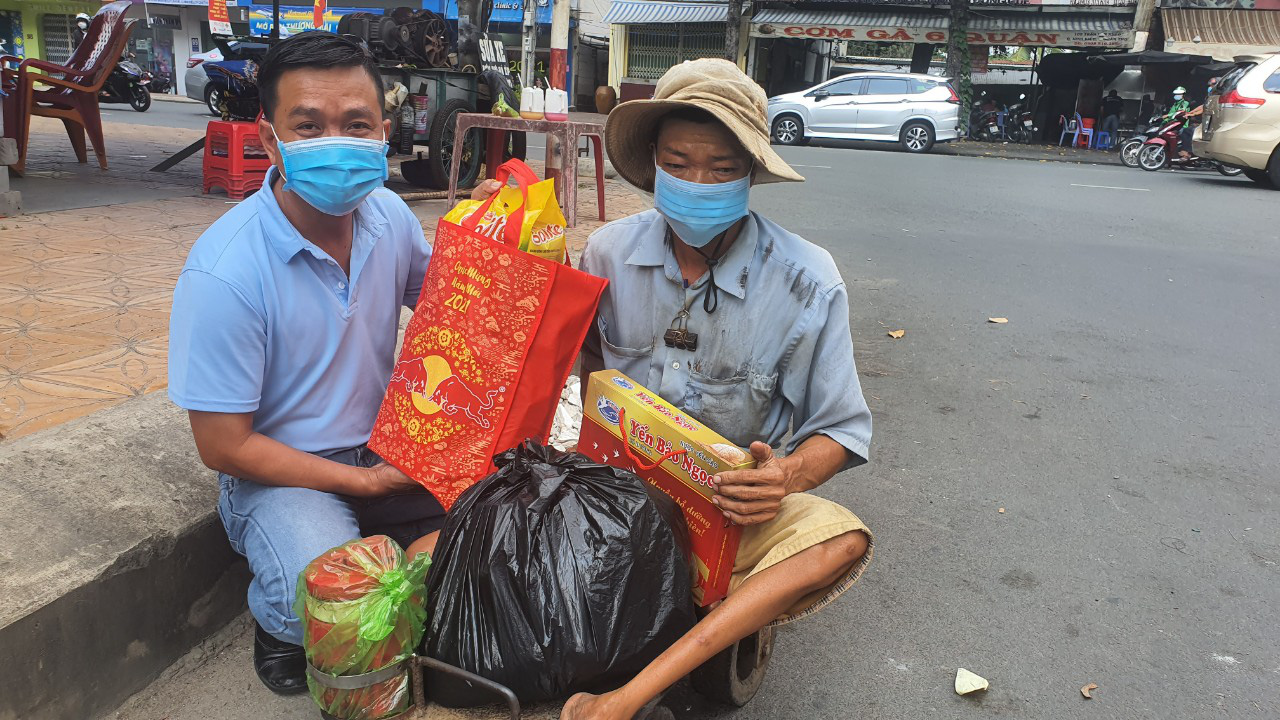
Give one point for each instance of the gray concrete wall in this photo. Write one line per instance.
(113, 563)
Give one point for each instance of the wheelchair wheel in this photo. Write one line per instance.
(735, 675)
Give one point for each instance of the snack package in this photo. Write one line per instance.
(542, 231)
(678, 455)
(362, 609)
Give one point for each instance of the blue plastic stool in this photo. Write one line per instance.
(1102, 141)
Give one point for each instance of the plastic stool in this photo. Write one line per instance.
(234, 158)
(1102, 141)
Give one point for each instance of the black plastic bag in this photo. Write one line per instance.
(554, 575)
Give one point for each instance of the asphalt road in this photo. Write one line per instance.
(161, 114)
(1125, 419)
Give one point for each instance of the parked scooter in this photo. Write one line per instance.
(984, 124)
(1162, 150)
(127, 83)
(1018, 123)
(1129, 148)
(160, 83)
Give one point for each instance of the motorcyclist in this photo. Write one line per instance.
(1182, 105)
(82, 27)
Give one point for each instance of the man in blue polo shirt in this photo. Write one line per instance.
(283, 335)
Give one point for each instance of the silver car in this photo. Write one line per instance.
(914, 110)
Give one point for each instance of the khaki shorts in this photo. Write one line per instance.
(803, 522)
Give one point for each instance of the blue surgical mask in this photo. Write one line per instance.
(699, 212)
(1177, 97)
(333, 174)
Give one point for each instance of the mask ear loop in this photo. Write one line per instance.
(711, 301)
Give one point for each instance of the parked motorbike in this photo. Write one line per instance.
(127, 83)
(160, 83)
(1018, 123)
(1162, 150)
(1129, 148)
(239, 99)
(984, 125)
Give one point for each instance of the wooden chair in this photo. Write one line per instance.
(67, 92)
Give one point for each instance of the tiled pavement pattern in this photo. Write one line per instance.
(85, 293)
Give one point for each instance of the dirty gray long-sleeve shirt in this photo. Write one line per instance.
(776, 355)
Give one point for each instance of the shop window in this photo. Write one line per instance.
(654, 49)
(55, 31)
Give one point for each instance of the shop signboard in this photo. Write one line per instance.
(219, 21)
(891, 33)
(508, 11)
(1047, 3)
(171, 22)
(298, 18)
(1222, 4)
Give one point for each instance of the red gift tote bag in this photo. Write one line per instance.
(486, 354)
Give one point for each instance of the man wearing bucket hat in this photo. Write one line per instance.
(745, 326)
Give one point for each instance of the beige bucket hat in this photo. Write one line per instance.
(710, 84)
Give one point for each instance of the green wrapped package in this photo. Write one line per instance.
(362, 609)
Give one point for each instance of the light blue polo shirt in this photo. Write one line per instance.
(776, 357)
(265, 322)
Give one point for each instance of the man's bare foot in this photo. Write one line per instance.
(585, 706)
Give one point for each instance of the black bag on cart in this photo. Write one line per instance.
(555, 575)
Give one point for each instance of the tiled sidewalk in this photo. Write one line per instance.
(85, 293)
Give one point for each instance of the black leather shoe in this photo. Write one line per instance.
(281, 666)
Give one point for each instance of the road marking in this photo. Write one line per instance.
(1111, 187)
(820, 167)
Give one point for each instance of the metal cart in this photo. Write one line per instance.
(732, 678)
(449, 94)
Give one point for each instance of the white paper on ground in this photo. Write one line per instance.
(967, 682)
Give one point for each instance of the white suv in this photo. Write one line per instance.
(1241, 125)
(914, 110)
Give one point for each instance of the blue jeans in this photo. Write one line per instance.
(282, 529)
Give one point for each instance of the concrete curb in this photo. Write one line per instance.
(1030, 153)
(114, 563)
(166, 97)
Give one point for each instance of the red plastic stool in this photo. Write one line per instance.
(234, 158)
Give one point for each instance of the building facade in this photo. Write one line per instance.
(793, 44)
(1222, 29)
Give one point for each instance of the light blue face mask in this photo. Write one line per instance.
(333, 174)
(699, 212)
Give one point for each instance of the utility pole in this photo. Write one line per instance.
(732, 38)
(958, 57)
(528, 42)
(559, 71)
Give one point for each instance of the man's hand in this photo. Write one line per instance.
(750, 497)
(381, 479)
(485, 189)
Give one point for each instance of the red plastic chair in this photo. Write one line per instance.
(69, 92)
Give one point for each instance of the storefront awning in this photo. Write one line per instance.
(1222, 34)
(642, 12)
(987, 28)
